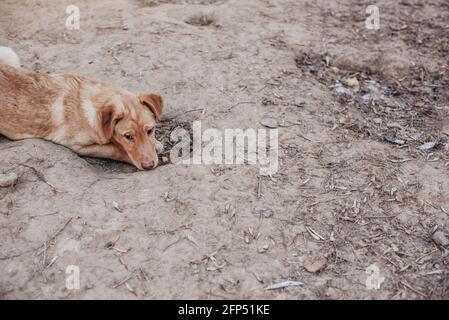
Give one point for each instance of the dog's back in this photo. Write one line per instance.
(25, 99)
(9, 57)
(47, 106)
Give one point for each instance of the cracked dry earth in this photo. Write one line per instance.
(364, 160)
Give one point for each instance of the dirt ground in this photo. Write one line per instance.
(357, 185)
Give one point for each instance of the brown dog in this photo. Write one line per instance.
(88, 116)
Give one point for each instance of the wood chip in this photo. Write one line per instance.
(400, 197)
(116, 206)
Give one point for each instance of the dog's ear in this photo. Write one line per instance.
(154, 102)
(108, 120)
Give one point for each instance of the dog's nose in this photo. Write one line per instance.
(148, 164)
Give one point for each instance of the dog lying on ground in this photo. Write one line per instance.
(88, 116)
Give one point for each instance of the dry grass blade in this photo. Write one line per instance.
(53, 237)
(284, 284)
(314, 234)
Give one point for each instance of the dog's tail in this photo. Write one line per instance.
(9, 57)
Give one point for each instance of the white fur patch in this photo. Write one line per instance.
(90, 113)
(9, 57)
(57, 113)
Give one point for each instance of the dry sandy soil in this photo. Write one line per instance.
(353, 188)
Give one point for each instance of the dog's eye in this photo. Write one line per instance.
(150, 131)
(129, 137)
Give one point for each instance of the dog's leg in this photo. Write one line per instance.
(108, 151)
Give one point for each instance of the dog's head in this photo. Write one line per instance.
(130, 122)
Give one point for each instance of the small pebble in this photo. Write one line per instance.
(342, 90)
(7, 180)
(269, 122)
(440, 238)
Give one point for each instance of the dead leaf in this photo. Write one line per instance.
(352, 83)
(400, 197)
(315, 264)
